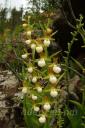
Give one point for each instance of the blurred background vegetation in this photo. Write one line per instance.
(11, 45)
(10, 38)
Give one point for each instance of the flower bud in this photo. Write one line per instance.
(23, 20)
(49, 30)
(46, 42)
(56, 69)
(30, 69)
(33, 46)
(41, 62)
(36, 109)
(53, 93)
(52, 79)
(42, 119)
(29, 17)
(39, 49)
(28, 41)
(34, 97)
(47, 106)
(29, 33)
(34, 79)
(24, 25)
(24, 56)
(24, 90)
(39, 89)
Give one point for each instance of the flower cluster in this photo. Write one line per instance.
(43, 72)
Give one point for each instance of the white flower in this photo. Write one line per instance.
(24, 56)
(52, 79)
(56, 69)
(47, 106)
(41, 62)
(34, 97)
(28, 41)
(46, 42)
(29, 33)
(34, 79)
(42, 119)
(24, 90)
(39, 49)
(33, 46)
(30, 69)
(39, 89)
(53, 93)
(36, 109)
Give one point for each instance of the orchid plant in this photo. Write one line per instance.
(41, 76)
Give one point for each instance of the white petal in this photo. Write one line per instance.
(53, 93)
(42, 119)
(41, 63)
(52, 79)
(56, 69)
(39, 49)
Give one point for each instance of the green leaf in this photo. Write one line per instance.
(79, 65)
(55, 54)
(80, 107)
